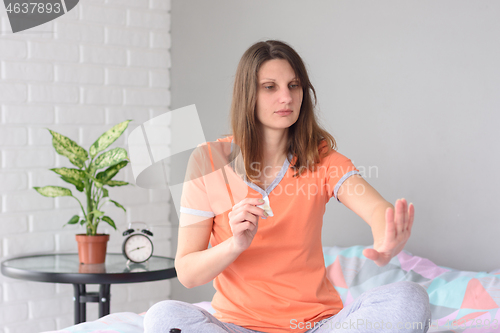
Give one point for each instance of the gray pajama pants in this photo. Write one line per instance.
(397, 307)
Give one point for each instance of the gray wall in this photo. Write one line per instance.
(408, 89)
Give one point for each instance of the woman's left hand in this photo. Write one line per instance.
(397, 231)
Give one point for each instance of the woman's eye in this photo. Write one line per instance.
(292, 86)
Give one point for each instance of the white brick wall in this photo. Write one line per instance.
(102, 63)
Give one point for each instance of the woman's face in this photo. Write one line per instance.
(278, 89)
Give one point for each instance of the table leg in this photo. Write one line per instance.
(83, 305)
(104, 299)
(80, 309)
(81, 299)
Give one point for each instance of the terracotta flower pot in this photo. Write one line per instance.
(92, 249)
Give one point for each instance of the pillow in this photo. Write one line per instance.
(458, 299)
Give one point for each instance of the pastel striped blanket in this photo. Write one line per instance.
(461, 301)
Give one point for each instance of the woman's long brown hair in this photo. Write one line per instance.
(303, 136)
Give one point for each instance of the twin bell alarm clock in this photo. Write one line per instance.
(137, 247)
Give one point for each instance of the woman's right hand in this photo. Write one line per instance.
(244, 222)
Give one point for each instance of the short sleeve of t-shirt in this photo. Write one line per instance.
(338, 169)
(194, 198)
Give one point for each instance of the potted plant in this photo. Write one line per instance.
(91, 246)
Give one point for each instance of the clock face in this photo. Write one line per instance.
(138, 248)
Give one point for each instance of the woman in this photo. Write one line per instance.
(270, 274)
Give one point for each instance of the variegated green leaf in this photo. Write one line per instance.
(70, 145)
(105, 140)
(118, 205)
(54, 191)
(82, 222)
(72, 176)
(110, 158)
(74, 219)
(110, 172)
(78, 184)
(70, 173)
(116, 183)
(69, 148)
(109, 221)
(97, 213)
(105, 193)
(74, 159)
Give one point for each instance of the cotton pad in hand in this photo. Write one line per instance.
(266, 206)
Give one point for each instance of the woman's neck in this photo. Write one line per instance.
(274, 153)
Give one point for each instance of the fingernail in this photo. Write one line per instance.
(261, 201)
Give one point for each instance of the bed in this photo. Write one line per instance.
(461, 301)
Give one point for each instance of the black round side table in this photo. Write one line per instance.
(66, 268)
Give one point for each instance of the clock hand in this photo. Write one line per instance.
(137, 248)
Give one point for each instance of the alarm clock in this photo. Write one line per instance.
(137, 247)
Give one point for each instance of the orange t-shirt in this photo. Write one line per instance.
(279, 283)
